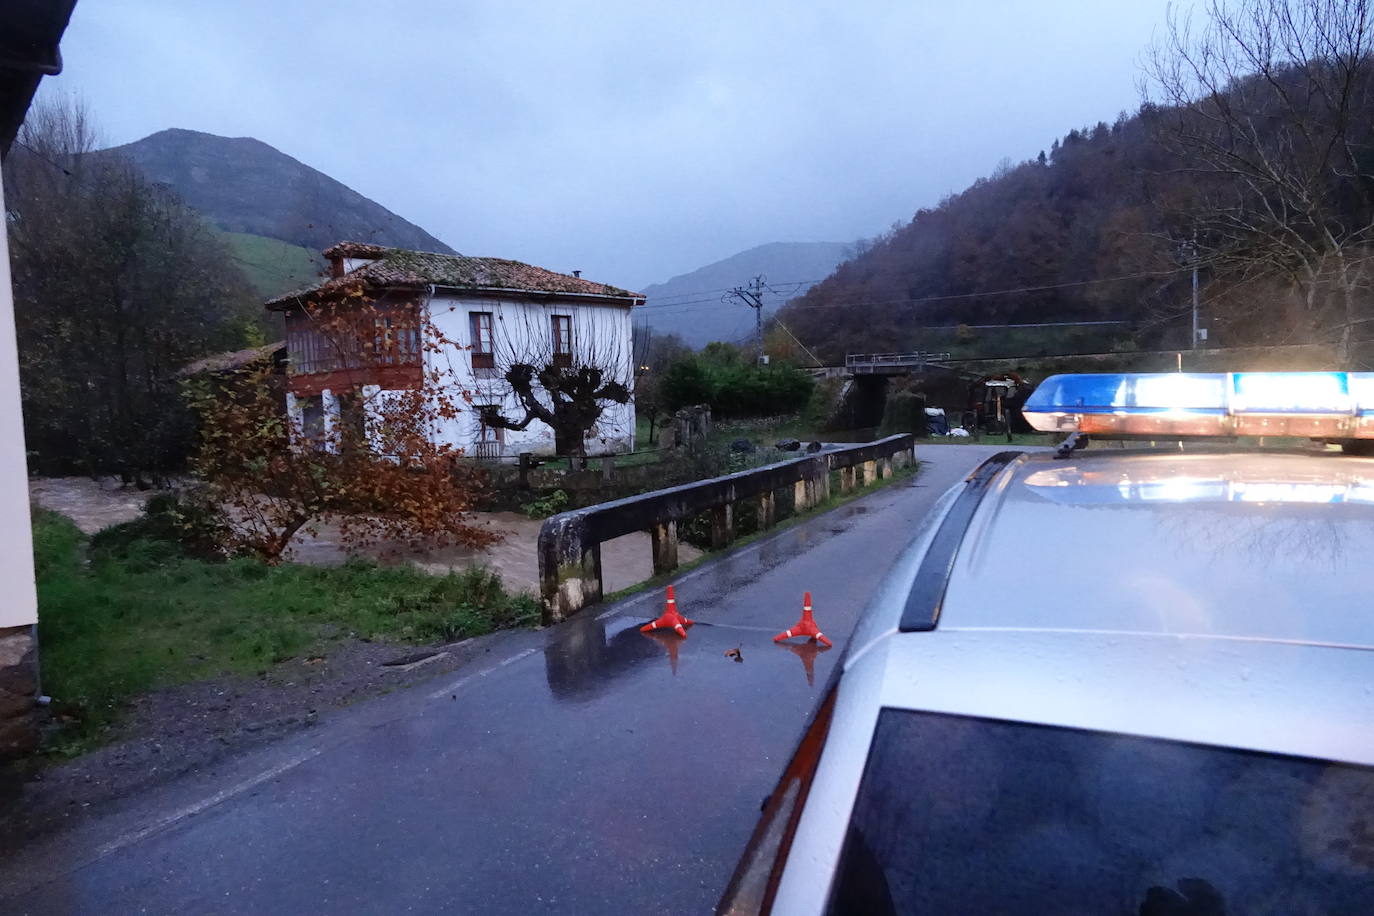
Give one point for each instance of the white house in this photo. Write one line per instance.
(487, 312)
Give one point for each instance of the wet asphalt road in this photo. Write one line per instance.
(587, 768)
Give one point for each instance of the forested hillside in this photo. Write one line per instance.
(1254, 159)
(1053, 229)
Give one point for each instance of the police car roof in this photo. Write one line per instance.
(1219, 598)
(1234, 544)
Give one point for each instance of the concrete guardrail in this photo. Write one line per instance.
(570, 543)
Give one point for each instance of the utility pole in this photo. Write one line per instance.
(752, 296)
(1194, 252)
(1195, 328)
(1190, 248)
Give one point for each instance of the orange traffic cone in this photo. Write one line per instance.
(804, 627)
(671, 619)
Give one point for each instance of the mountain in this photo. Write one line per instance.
(690, 305)
(245, 186)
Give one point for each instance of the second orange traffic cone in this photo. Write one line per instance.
(671, 619)
(804, 627)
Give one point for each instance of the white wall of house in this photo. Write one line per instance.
(20, 606)
(525, 329)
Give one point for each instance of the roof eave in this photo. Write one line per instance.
(325, 292)
(632, 299)
(291, 301)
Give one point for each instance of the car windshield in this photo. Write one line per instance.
(968, 815)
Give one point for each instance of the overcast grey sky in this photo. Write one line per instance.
(632, 139)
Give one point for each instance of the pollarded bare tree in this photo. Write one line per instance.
(561, 372)
(1269, 106)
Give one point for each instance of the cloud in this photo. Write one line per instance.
(632, 140)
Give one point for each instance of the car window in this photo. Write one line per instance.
(966, 815)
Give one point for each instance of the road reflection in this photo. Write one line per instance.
(807, 652)
(580, 662)
(582, 659)
(669, 641)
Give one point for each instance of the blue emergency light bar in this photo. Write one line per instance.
(1322, 405)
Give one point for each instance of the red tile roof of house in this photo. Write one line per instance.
(400, 268)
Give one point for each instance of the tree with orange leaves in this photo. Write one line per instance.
(378, 473)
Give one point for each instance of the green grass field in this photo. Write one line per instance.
(115, 627)
(272, 266)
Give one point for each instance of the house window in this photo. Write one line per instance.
(312, 419)
(352, 420)
(394, 341)
(483, 345)
(562, 340)
(384, 341)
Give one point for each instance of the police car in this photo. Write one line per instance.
(1109, 680)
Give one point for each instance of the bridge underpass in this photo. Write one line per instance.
(868, 377)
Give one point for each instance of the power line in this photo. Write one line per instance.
(957, 296)
(61, 168)
(659, 301)
(798, 342)
(656, 302)
(1041, 324)
(752, 296)
(715, 299)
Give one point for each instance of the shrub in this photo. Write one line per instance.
(545, 506)
(685, 383)
(172, 525)
(736, 389)
(270, 480)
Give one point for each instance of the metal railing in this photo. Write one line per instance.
(570, 543)
(894, 360)
(487, 450)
